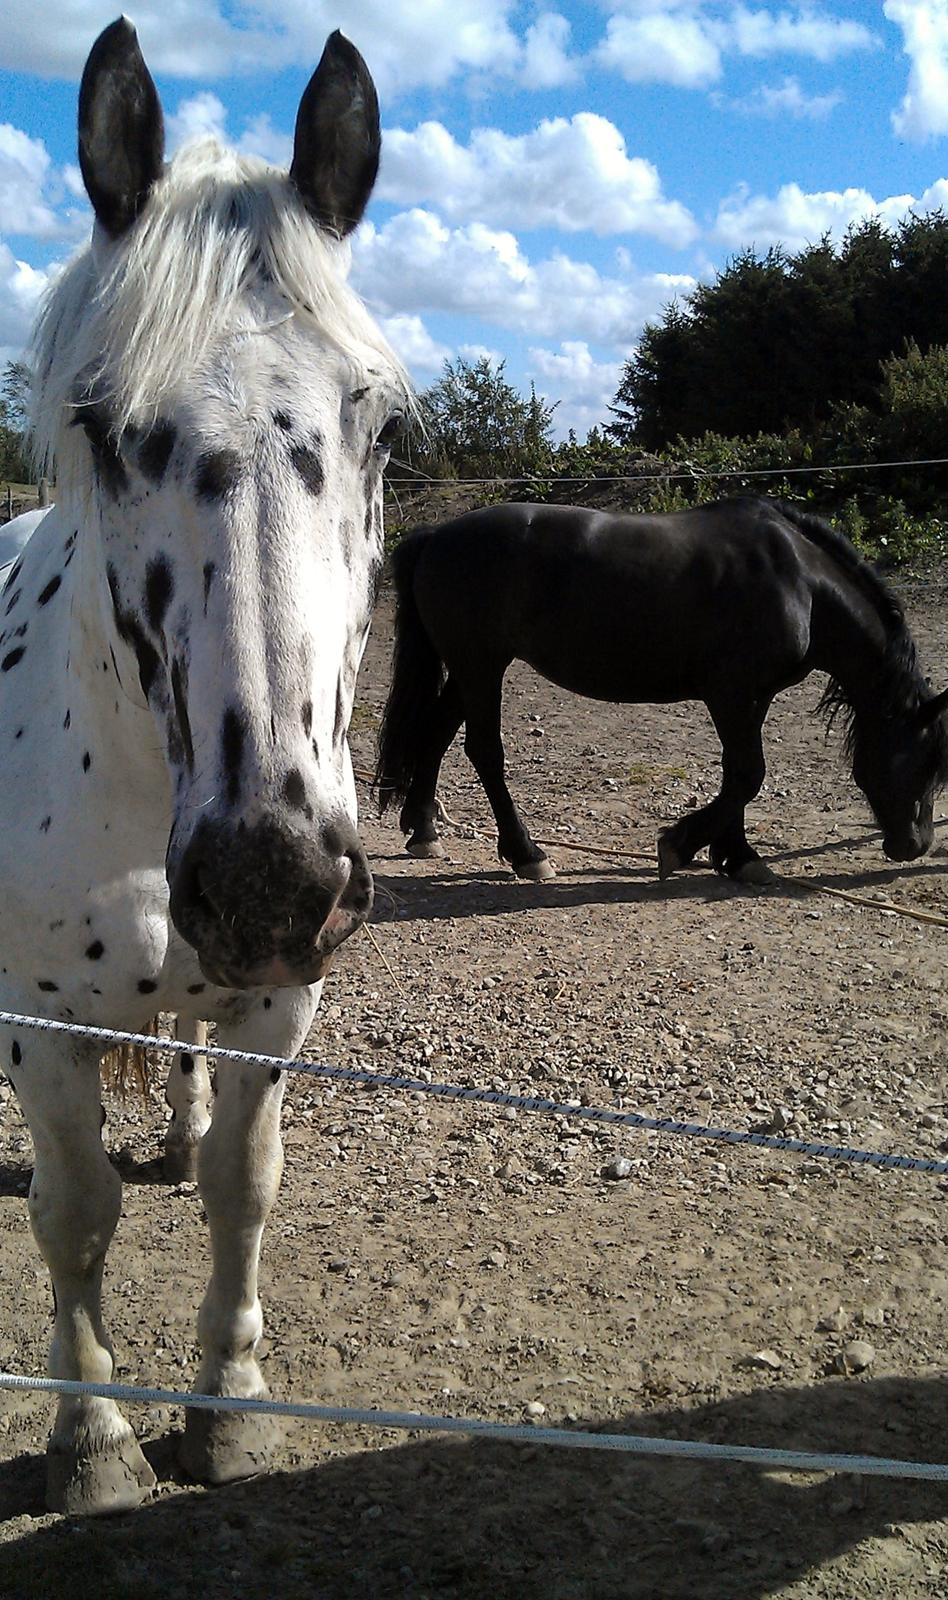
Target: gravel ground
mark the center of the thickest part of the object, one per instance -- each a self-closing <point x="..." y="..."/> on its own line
<point x="433" y="1257"/>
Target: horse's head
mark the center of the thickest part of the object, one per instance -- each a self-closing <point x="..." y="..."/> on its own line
<point x="900" y="762"/>
<point x="232" y="407"/>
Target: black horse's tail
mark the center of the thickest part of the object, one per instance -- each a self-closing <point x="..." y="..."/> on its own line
<point x="417" y="677"/>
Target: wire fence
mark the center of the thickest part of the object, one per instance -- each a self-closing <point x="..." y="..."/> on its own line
<point x="600" y="1115"/>
<point x="501" y="1432"/>
<point x="685" y="474"/>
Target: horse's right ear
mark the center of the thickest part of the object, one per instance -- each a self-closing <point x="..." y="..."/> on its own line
<point x="337" y="144"/>
<point x="930" y="709"/>
<point x="121" y="130"/>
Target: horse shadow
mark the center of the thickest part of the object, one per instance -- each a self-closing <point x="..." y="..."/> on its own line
<point x="483" y="1520"/>
<point x="465" y="892"/>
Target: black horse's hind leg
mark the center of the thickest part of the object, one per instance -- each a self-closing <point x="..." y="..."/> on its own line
<point x="421" y="811"/>
<point x="484" y="748"/>
<point x="720" y="825"/>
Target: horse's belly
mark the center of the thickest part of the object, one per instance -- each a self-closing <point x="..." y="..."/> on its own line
<point x="619" y="682"/>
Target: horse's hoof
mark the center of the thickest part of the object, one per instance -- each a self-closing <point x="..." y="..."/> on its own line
<point x="226" y="1446"/>
<point x="536" y="871"/>
<point x="180" y="1164"/>
<point x="755" y="872"/>
<point x="425" y="849"/>
<point x="116" y="1477"/>
<point x="668" y="859"/>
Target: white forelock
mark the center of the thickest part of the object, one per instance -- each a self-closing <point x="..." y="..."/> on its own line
<point x="128" y="320"/>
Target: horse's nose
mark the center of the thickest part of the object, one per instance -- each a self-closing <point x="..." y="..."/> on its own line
<point x="265" y="906"/>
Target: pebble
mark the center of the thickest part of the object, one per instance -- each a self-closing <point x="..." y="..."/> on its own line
<point x="833" y="1321"/>
<point x="766" y="1358"/>
<point x="535" y="1409"/>
<point x="621" y="1167"/>
<point x="857" y="1357"/>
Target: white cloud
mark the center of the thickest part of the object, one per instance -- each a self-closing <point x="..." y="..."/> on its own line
<point x="570" y="174"/>
<point x="923" y="113"/>
<point x="20" y="288"/>
<point x="425" y="42"/>
<point x="415" y="263"/>
<point x="410" y="339"/>
<point x="24" y="169"/>
<point x="795" y="219"/>
<point x="200" y="115"/>
<point x="205" y="114"/>
<point x="804" y="31"/>
<point x="661" y="47"/>
<point x="31" y="190"/>
<point x="683" y="42"/>
<point x="582" y="387"/>
<point x="546" y="60"/>
<point x="189" y="39"/>
<point x="786" y="99"/>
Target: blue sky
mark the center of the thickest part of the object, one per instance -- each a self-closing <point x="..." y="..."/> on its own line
<point x="552" y="174"/>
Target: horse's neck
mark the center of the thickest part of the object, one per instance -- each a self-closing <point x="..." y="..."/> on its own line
<point x="850" y="641"/>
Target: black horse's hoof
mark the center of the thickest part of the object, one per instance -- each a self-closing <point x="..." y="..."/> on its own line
<point x="425" y="849"/>
<point x="755" y="871"/>
<point x="535" y="871"/>
<point x="669" y="859"/>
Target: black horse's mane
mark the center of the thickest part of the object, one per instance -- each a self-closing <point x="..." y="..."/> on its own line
<point x="902" y="687"/>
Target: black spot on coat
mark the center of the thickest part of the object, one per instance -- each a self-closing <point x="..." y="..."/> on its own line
<point x="47" y="594"/>
<point x="232" y="751"/>
<point x="155" y="450"/>
<point x="11" y="659"/>
<point x="159" y="588"/>
<point x="307" y="459"/>
<point x="217" y="473"/>
<point x="99" y="430"/>
<point x="179" y="690"/>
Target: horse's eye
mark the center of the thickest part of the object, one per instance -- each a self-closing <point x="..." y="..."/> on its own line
<point x="390" y="433"/>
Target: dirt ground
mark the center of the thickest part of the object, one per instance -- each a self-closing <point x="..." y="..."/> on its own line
<point x="441" y="1258"/>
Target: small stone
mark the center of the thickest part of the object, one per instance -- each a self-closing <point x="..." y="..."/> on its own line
<point x="833" y="1321"/>
<point x="621" y="1167"/>
<point x="535" y="1409"/>
<point x="768" y="1359"/>
<point x="857" y="1357"/>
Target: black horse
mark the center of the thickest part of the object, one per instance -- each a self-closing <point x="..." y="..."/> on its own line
<point x="727" y="603"/>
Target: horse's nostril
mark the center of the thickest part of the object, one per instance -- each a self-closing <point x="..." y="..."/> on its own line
<point x="333" y="842"/>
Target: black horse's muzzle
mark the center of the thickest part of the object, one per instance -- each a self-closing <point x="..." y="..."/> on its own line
<point x="265" y="907"/>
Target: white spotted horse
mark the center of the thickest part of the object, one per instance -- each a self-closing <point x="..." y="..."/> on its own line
<point x="177" y="669"/>
<point x="188" y="1089"/>
<point x="727" y="603"/>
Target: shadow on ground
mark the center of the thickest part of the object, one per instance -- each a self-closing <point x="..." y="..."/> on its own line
<point x="483" y="1521"/>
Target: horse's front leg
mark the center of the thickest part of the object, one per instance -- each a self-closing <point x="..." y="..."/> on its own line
<point x="720" y="825"/>
<point x="421" y="812"/>
<point x="484" y="748"/>
<point x="239" y="1168"/>
<point x="93" y="1460"/>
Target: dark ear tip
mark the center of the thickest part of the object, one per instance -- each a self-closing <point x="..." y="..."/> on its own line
<point x="121" y="33"/>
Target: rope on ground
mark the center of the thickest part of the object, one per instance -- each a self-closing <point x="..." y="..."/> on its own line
<point x="491" y="1097"/>
<point x="501" y="1432"/>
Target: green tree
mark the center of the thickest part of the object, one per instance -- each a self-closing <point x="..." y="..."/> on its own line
<point x="477" y="425"/>
<point x="14" y="395"/>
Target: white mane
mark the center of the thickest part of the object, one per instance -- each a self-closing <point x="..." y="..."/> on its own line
<point x="126" y="321"/>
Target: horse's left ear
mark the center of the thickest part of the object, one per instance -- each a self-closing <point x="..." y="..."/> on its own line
<point x="121" y="130"/>
<point x="337" y="145"/>
<point x="930" y="709"/>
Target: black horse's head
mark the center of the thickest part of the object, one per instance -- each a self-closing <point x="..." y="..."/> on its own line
<point x="900" y="761"/>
